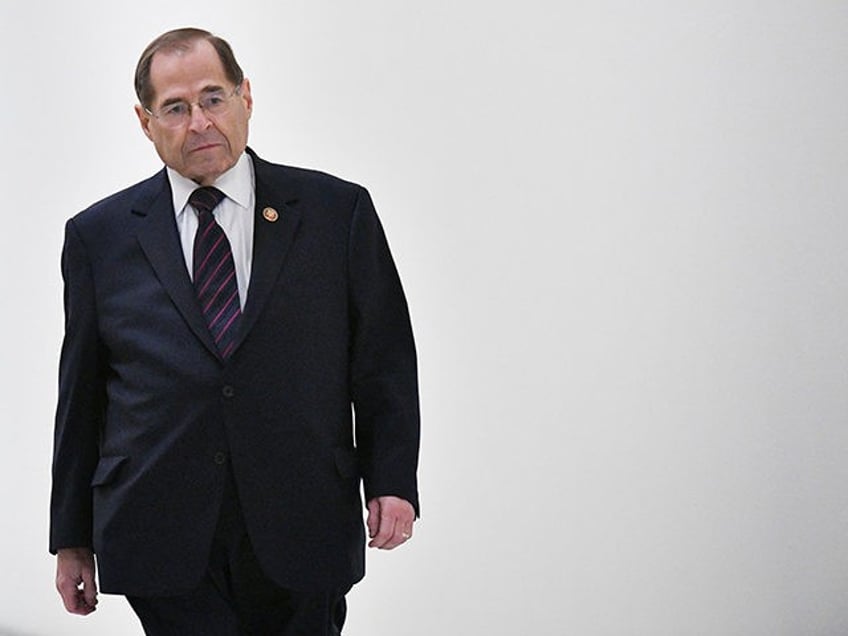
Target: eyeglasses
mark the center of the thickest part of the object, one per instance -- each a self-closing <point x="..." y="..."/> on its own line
<point x="176" y="114"/>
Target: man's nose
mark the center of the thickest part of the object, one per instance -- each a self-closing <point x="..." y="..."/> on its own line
<point x="199" y="119"/>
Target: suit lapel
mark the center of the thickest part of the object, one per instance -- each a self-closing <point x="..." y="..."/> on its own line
<point x="157" y="234"/>
<point x="272" y="239"/>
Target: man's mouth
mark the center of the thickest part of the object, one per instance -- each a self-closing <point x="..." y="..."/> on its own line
<point x="205" y="145"/>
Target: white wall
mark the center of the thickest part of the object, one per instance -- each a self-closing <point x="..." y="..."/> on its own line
<point x="622" y="230"/>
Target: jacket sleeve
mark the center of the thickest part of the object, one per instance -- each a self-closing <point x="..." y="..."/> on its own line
<point x="81" y="405"/>
<point x="384" y="382"/>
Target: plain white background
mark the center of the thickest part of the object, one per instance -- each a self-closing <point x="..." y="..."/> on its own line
<point x="621" y="227"/>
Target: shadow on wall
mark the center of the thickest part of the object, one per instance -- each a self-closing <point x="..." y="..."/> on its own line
<point x="5" y="631"/>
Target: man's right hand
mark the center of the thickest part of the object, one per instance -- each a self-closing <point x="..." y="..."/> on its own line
<point x="75" y="580"/>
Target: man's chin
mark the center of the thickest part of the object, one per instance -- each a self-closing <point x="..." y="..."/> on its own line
<point x="206" y="172"/>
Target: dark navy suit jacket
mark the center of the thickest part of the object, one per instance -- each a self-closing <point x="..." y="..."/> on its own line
<point x="149" y="416"/>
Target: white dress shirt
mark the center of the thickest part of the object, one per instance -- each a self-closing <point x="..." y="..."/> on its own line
<point x="234" y="214"/>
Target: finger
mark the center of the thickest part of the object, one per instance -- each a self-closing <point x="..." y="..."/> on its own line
<point x="401" y="525"/>
<point x="402" y="534"/>
<point x="405" y="520"/>
<point x="373" y="521"/>
<point x="68" y="591"/>
<point x="386" y="530"/>
<point x="89" y="588"/>
<point x="72" y="598"/>
<point x="83" y="608"/>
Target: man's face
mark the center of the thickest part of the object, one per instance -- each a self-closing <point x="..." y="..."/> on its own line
<point x="204" y="147"/>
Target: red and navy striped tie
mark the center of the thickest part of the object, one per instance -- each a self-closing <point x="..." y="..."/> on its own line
<point x="215" y="271"/>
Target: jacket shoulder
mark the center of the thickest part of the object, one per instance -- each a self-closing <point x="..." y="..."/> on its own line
<point x="305" y="181"/>
<point x="127" y="199"/>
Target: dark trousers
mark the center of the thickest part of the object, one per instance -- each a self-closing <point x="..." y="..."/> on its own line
<point x="235" y="598"/>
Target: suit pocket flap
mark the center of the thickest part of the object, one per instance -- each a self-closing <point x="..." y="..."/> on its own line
<point x="107" y="469"/>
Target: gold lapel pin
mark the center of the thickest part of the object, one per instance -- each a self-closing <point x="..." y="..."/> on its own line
<point x="270" y="215"/>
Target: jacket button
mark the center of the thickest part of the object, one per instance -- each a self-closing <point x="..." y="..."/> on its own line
<point x="220" y="458"/>
<point x="228" y="391"/>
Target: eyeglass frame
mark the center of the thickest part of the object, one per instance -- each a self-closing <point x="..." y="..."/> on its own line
<point x="191" y="105"/>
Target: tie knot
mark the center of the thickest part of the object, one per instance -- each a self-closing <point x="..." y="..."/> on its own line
<point x="205" y="199"/>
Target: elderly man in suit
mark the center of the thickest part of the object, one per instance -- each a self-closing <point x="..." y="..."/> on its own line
<point x="224" y="321"/>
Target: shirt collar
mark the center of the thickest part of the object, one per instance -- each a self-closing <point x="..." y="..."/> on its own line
<point x="236" y="183"/>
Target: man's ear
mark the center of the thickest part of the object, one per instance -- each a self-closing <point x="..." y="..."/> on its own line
<point x="246" y="96"/>
<point x="144" y="120"/>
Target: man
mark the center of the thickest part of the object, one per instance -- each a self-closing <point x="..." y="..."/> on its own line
<point x="215" y="341"/>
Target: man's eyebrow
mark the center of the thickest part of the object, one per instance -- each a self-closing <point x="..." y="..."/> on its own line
<point x="172" y="100"/>
<point x="212" y="88"/>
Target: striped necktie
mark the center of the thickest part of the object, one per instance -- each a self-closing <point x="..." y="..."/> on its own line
<point x="215" y="271"/>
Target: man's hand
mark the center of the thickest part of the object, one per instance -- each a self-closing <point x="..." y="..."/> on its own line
<point x="75" y="580"/>
<point x="390" y="522"/>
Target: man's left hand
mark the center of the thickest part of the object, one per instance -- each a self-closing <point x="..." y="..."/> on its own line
<point x="390" y="522"/>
